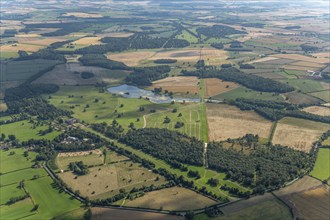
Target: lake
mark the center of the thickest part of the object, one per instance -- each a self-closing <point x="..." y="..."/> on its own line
<point x="128" y="91"/>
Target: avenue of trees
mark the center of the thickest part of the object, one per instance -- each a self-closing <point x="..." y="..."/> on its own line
<point x="248" y="80"/>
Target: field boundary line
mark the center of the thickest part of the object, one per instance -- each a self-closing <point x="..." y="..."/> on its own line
<point x="272" y="131"/>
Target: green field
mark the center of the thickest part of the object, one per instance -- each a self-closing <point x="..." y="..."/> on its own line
<point x="270" y="210"/>
<point x="324" y="95"/>
<point x="243" y="92"/>
<point x="18" y="210"/>
<point x="23" y="130"/>
<point x="304" y="85"/>
<point x="321" y="168"/>
<point x="19" y="175"/>
<point x="15" y="162"/>
<point x="7" y="54"/>
<point x="47" y="197"/>
<point x="185" y="35"/>
<point x="22" y="70"/>
<point x="10" y="191"/>
<point x="89" y="159"/>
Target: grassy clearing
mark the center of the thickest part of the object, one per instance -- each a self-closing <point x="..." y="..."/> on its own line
<point x="23" y="130"/>
<point x="22" y="70"/>
<point x="175" y="198"/>
<point x="7" y="55"/>
<point x="304" y="85"/>
<point x="243" y="92"/>
<point x="321" y="168"/>
<point x="273" y="209"/>
<point x="185" y="35"/>
<point x="19" y="175"/>
<point x="17" y="161"/>
<point x="324" y="95"/>
<point x="48" y="198"/>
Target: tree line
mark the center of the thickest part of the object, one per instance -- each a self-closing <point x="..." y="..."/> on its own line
<point x="248" y="80"/>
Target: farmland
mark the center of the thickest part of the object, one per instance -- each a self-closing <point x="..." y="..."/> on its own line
<point x="321" y="168"/>
<point x="174" y="198"/>
<point x="299" y="134"/>
<point x="215" y="86"/>
<point x="226" y="121"/>
<point x="318" y="110"/>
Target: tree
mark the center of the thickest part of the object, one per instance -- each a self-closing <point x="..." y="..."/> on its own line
<point x="12" y="137"/>
<point x="167" y="120"/>
<point x="26" y="154"/>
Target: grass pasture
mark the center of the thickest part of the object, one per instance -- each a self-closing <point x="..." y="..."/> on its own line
<point x="105" y="181"/>
<point x="10" y="191"/>
<point x="17" y="210"/>
<point x="23" y="130"/>
<point x="302" y="98"/>
<point x="19" y="175"/>
<point x="297" y="133"/>
<point x="226" y="121"/>
<point x="324" y="95"/>
<point x="174" y="198"/>
<point x="10" y="163"/>
<point x="321" y="168"/>
<point x="185" y="35"/>
<point x="22" y="70"/>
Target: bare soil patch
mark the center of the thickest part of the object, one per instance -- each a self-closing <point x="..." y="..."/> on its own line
<point x="225" y="121"/>
<point x="178" y="84"/>
<point x="297" y="133"/>
<point x="175" y="198"/>
<point x="318" y="110"/>
<point x="215" y="86"/>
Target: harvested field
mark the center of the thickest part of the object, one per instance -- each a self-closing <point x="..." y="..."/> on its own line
<point x="318" y="110"/>
<point x="215" y="86"/>
<point x="37" y="41"/>
<point x="322" y="55"/>
<point x="264" y="59"/>
<point x="88" y="41"/>
<point x="116" y="34"/>
<point x="302" y="68"/>
<point x="18" y="47"/>
<point x="307" y="64"/>
<point x="298" y="134"/>
<point x="175" y="198"/>
<point x="214" y="56"/>
<point x="105" y="181"/>
<point x="226" y="121"/>
<point x="122" y="214"/>
<point x="80" y="153"/>
<point x="178" y="84"/>
<point x="131" y="58"/>
<point x="93" y="157"/>
<point x="83" y="15"/>
<point x="301" y="58"/>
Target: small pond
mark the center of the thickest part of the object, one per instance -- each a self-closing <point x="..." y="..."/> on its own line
<point x="128" y="91"/>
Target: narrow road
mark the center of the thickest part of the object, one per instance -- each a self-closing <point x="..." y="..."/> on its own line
<point x="205" y="156"/>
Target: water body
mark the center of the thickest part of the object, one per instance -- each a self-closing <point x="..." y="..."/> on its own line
<point x="135" y="92"/>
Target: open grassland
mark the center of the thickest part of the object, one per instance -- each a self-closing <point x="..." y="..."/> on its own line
<point x="18" y="47"/>
<point x="243" y="92"/>
<point x="300" y="134"/>
<point x="175" y="198"/>
<point x="321" y="168"/>
<point x="107" y="108"/>
<point x="22" y="70"/>
<point x="302" y="98"/>
<point x="10" y="191"/>
<point x="318" y="110"/>
<point x="106" y="181"/>
<point x="17" y="210"/>
<point x="179" y="84"/>
<point x="17" y="161"/>
<point x="76" y="214"/>
<point x="226" y="121"/>
<point x="120" y="214"/>
<point x="19" y="175"/>
<point x="300" y="57"/>
<point x="324" y="95"/>
<point x="23" y="130"/>
<point x="215" y="86"/>
<point x="6" y="55"/>
<point x="191" y="116"/>
<point x="70" y="74"/>
<point x="304" y="85"/>
<point x="185" y="35"/>
<point x="47" y="197"/>
<point x="90" y="158"/>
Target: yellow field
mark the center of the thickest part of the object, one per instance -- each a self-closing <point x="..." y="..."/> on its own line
<point x="307" y="64"/>
<point x="215" y="86"/>
<point x="301" y="58"/>
<point x="37" y="41"/>
<point x="131" y="58"/>
<point x="88" y="41"/>
<point x="302" y="68"/>
<point x="175" y="198"/>
<point x="297" y="133"/>
<point x="180" y="84"/>
<point x="83" y="15"/>
<point x="18" y="47"/>
<point x="318" y="110"/>
<point x="264" y="59"/>
<point x="116" y="34"/>
<point x="322" y="55"/>
<point x="225" y="121"/>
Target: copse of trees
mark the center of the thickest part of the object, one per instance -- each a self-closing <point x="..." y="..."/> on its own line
<point x="29" y="91"/>
<point x="263" y="168"/>
<point x="101" y="60"/>
<point x="166" y="145"/>
<point x="114" y="130"/>
<point x="217" y="45"/>
<point x="250" y="81"/>
<point x="47" y="54"/>
<point x="79" y="168"/>
<point x="218" y="31"/>
<point x="165" y="61"/>
<point x="146" y="75"/>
